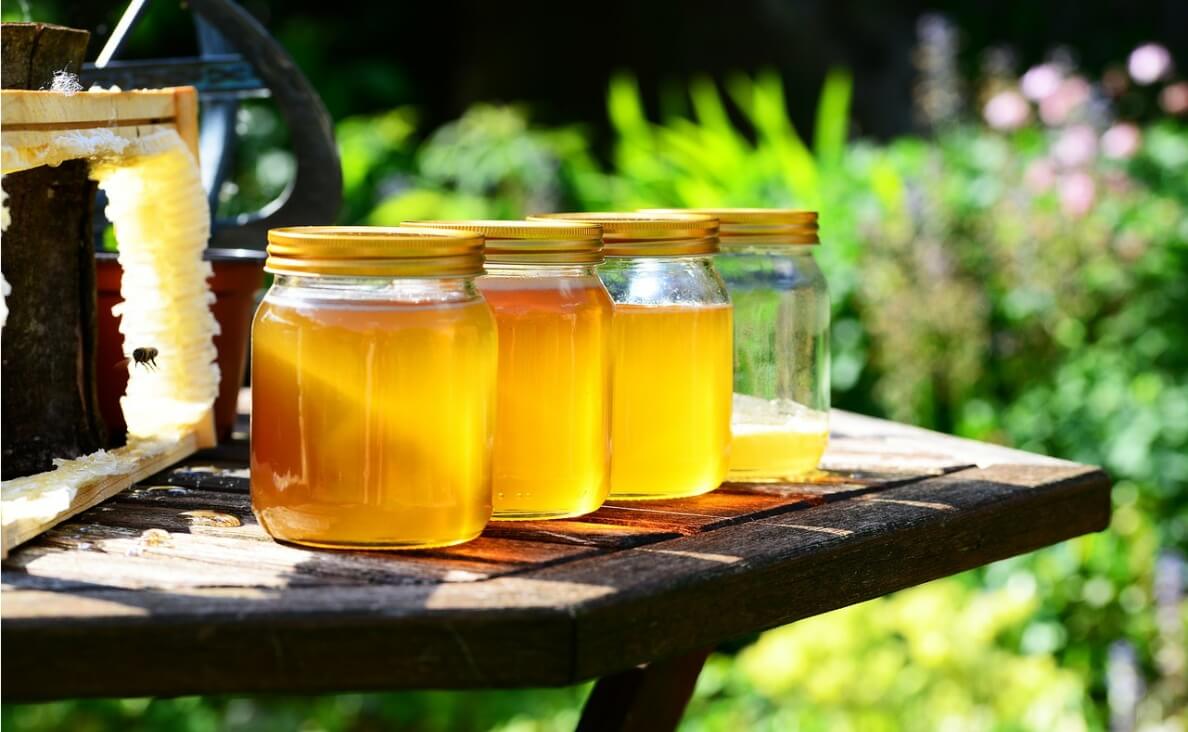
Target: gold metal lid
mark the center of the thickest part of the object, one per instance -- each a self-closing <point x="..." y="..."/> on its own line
<point x="532" y="242"/>
<point x="374" y="251"/>
<point x="630" y="234"/>
<point x="758" y="225"/>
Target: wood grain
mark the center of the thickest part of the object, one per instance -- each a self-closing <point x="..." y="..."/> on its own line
<point x="208" y="606"/>
<point x="677" y="596"/>
<point x="881" y="442"/>
<point x="36" y="124"/>
<point x="19" y="528"/>
<point x="48" y="259"/>
<point x="32" y="52"/>
<point x="171" y="539"/>
<point x="37" y="110"/>
<point x="185" y="119"/>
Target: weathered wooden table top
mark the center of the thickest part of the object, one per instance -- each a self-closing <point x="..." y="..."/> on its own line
<point x="173" y="588"/>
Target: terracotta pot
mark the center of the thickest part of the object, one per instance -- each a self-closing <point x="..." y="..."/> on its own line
<point x="238" y="276"/>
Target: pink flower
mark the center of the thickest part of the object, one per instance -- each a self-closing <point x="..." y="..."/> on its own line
<point x="1077" y="193"/>
<point x="1040" y="175"/>
<point x="1040" y="81"/>
<point x="1121" y="141"/>
<point x="1007" y="110"/>
<point x="1076" y="146"/>
<point x="1174" y="98"/>
<point x="1149" y="63"/>
<point x="1058" y="107"/>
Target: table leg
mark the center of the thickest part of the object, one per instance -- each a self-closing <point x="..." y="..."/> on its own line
<point x="648" y="698"/>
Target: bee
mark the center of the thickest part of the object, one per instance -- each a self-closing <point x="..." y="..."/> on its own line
<point x="146" y="357"/>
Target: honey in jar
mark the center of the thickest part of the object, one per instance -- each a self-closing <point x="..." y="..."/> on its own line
<point x="373" y="389"/>
<point x="671" y="354"/>
<point x="671" y="420"/>
<point x="781" y="341"/>
<point x="552" y="426"/>
<point x="773" y="440"/>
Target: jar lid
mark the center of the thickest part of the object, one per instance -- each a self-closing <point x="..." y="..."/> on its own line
<point x="374" y="251"/>
<point x="758" y="225"/>
<point x="648" y="234"/>
<point x="532" y="242"/>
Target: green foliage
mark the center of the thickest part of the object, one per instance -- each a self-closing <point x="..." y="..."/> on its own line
<point x="833" y="118"/>
<point x="755" y="356"/>
<point x="488" y="164"/>
<point x="376" y="150"/>
<point x="972" y="299"/>
<point x="263" y="164"/>
<point x="970" y="295"/>
<point x="927" y="658"/>
<point x="707" y="160"/>
<point x="529" y="710"/>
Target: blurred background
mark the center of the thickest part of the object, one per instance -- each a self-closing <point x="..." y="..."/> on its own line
<point x="1003" y="191"/>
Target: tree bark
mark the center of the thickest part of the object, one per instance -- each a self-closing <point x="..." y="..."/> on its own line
<point x="32" y="52"/>
<point x="48" y="386"/>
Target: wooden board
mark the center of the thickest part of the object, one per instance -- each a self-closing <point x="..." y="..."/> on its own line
<point x="19" y="529"/>
<point x="38" y="119"/>
<point x="168" y="601"/>
<point x="41" y="110"/>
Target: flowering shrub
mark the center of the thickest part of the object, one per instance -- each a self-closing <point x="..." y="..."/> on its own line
<point x="1019" y="281"/>
<point x="1020" y="284"/>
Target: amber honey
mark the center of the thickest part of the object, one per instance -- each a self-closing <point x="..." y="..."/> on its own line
<point x="773" y="453"/>
<point x="671" y="403"/>
<point x="552" y="433"/>
<point x="775" y="440"/>
<point x="671" y="354"/>
<point x="372" y="420"/>
<point x="781" y="341"/>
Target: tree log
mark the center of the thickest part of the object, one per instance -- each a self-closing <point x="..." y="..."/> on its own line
<point x="49" y="399"/>
<point x="32" y="52"/>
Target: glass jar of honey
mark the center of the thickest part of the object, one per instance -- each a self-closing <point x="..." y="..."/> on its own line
<point x="670" y="353"/>
<point x="781" y="342"/>
<point x="552" y="419"/>
<point x="373" y="389"/>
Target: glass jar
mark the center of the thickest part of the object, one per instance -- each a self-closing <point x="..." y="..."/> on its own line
<point x="552" y="420"/>
<point x="671" y="354"/>
<point x="781" y="342"/>
<point x="373" y="389"/>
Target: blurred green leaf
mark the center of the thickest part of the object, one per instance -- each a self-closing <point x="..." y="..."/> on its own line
<point x="833" y="117"/>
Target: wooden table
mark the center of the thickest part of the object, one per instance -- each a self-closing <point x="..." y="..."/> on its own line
<point x="172" y="588"/>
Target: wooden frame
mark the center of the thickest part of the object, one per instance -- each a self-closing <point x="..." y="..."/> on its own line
<point x="31" y="118"/>
<point x="37" y="127"/>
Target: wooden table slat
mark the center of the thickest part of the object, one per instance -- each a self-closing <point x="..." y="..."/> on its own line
<point x="772" y="571"/>
<point x="167" y="601"/>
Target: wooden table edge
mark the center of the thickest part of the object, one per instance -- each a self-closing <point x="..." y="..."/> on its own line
<point x="582" y="625"/>
<point x="1070" y="500"/>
